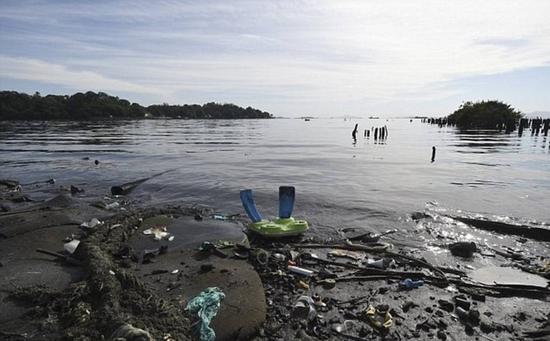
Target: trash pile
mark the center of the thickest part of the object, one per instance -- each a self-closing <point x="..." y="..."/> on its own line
<point x="362" y="291"/>
<point x="358" y="286"/>
<point x="361" y="287"/>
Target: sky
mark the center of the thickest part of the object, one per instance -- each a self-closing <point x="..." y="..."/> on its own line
<point x="291" y="58"/>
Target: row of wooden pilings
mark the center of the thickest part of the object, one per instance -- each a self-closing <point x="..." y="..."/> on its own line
<point x="536" y="125"/>
<point x="379" y="133"/>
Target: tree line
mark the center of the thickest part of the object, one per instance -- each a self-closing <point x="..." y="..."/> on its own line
<point x="91" y="105"/>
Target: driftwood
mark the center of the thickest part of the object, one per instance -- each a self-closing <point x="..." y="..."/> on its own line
<point x="537" y="233"/>
<point x="126" y="188"/>
<point x="68" y="259"/>
<point x="379" y="249"/>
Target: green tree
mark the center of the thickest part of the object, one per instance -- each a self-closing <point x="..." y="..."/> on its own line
<point x="484" y="115"/>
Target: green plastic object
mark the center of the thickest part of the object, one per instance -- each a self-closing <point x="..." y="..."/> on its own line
<point x="281" y="227"/>
<point x="205" y="306"/>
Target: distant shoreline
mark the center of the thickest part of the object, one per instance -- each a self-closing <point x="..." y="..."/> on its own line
<point x="101" y="106"/>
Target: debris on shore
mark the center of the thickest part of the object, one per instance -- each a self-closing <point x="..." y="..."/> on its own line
<point x="116" y="280"/>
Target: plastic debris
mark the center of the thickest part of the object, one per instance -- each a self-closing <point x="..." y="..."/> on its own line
<point x="376" y="263"/>
<point x="300" y="271"/>
<point x="211" y="248"/>
<point x="114" y="226"/>
<point x="219" y="217"/>
<point x="129" y="332"/>
<point x="346" y="325"/>
<point x="347" y="254"/>
<point x="410" y="284"/>
<point x="92" y="223"/>
<point x="279" y="257"/>
<point x="303" y="309"/>
<point x="303" y="285"/>
<point x="159" y="232"/>
<point x="328" y="283"/>
<point x="205" y="306"/>
<point x="112" y="205"/>
<point x="71" y="246"/>
<point x="378" y="318"/>
<point x="461" y="313"/>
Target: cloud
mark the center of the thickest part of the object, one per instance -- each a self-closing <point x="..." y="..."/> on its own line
<point x="290" y="53"/>
<point x="39" y="71"/>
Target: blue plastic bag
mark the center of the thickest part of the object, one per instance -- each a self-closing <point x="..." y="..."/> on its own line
<point x="410" y="284"/>
<point x="205" y="306"/>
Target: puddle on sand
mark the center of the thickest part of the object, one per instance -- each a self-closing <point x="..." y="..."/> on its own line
<point x="508" y="276"/>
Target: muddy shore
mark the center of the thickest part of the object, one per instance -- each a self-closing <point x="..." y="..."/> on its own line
<point x="122" y="284"/>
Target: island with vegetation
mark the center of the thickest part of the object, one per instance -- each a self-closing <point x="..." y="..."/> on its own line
<point x="491" y="115"/>
<point x="92" y="106"/>
<point x="484" y="115"/>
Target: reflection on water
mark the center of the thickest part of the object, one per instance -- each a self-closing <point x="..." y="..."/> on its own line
<point x="339" y="182"/>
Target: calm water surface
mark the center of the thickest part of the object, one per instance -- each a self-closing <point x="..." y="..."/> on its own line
<point x="339" y="183"/>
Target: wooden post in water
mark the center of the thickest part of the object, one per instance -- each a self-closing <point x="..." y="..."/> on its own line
<point x="376" y="133"/>
<point x="354" y="132"/>
<point x="433" y="153"/>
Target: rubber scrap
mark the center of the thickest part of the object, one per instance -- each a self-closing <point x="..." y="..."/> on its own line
<point x="205" y="306"/>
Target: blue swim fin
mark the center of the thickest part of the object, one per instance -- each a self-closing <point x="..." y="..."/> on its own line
<point x="249" y="206"/>
<point x="286" y="201"/>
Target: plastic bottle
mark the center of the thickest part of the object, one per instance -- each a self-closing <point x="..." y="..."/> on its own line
<point x="300" y="271"/>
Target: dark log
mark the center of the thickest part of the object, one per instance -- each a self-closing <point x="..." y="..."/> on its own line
<point x="537" y="233"/>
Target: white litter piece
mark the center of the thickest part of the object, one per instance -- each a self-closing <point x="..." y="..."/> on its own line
<point x="175" y="271"/>
<point x="112" y="205"/>
<point x="112" y="272"/>
<point x="159" y="232"/>
<point x="300" y="271"/>
<point x="71" y="246"/>
<point x="170" y="238"/>
<point x="115" y="226"/>
<point x="92" y="223"/>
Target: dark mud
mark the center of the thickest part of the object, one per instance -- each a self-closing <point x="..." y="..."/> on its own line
<point x="431" y="311"/>
<point x="109" y="297"/>
<point x="120" y="295"/>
